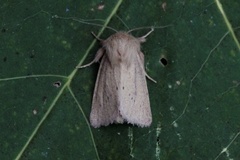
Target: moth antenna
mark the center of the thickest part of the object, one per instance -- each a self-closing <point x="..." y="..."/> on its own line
<point x="152" y="27"/>
<point x="96" y="36"/>
<point x="122" y="22"/>
<point x="88" y="22"/>
<point x="139" y="28"/>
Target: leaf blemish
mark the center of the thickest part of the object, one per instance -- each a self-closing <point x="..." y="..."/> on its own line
<point x="3" y="30"/>
<point x="44" y="99"/>
<point x="100" y="6"/>
<point x="57" y="84"/>
<point x="32" y="54"/>
<point x="4" y="59"/>
<point x="34" y="111"/>
<point x="163" y="61"/>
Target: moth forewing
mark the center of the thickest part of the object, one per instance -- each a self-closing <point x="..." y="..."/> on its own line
<point x="104" y="104"/>
<point x="134" y="98"/>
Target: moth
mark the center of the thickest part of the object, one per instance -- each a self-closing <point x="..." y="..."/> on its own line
<point x="121" y="93"/>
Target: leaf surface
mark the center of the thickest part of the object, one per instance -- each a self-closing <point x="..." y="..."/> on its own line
<point x="45" y="101"/>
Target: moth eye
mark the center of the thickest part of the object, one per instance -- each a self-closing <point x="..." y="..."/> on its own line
<point x="123" y="88"/>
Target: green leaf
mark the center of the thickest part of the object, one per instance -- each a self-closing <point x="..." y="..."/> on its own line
<point x="45" y="101"/>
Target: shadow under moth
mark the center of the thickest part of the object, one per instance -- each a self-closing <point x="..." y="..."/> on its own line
<point x="121" y="93"/>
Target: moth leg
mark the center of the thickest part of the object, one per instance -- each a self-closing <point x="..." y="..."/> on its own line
<point x="150" y="78"/>
<point x="96" y="59"/>
<point x="152" y="29"/>
<point x="143" y="38"/>
<point x="141" y="55"/>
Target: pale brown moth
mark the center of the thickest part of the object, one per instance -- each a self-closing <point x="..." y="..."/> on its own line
<point x="121" y="93"/>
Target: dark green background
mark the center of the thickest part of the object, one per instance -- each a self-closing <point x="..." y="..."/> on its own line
<point x="195" y="104"/>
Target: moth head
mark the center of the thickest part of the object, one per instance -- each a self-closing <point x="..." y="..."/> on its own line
<point x="121" y="47"/>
